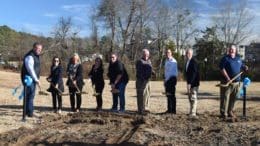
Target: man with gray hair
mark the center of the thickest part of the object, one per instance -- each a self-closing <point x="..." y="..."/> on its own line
<point x="193" y="81"/>
<point x="143" y="75"/>
<point x="230" y="66"/>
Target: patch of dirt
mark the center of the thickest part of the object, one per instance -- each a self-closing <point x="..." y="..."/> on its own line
<point x="106" y="128"/>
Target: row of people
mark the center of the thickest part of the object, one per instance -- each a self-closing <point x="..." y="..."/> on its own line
<point x="117" y="74"/>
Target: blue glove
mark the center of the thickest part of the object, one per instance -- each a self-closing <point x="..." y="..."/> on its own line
<point x="28" y="80"/>
<point x="246" y="82"/>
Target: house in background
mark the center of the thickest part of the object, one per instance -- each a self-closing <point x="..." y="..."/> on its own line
<point x="252" y="52"/>
<point x="241" y="50"/>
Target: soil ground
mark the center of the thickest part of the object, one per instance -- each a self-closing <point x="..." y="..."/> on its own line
<point x="89" y="127"/>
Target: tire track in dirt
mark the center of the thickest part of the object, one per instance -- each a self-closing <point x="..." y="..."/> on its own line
<point x="128" y="133"/>
<point x="106" y="128"/>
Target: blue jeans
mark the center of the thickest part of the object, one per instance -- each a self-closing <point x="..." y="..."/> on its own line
<point x="30" y="93"/>
<point x="121" y="94"/>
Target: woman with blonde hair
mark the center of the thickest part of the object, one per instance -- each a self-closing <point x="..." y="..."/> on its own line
<point x="75" y="81"/>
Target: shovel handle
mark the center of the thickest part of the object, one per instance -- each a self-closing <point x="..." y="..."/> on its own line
<point x="230" y="81"/>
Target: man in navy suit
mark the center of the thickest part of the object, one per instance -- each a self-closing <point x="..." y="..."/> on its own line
<point x="193" y="81"/>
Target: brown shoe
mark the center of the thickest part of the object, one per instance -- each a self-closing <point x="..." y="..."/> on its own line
<point x="233" y="117"/>
<point x="231" y="114"/>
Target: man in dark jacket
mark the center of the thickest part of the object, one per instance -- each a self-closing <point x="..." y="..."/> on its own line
<point x="193" y="81"/>
<point x="143" y="75"/>
<point x="118" y="80"/>
<point x="31" y="67"/>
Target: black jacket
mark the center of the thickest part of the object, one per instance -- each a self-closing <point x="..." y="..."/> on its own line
<point x="37" y="64"/>
<point x="192" y="73"/>
<point x="97" y="77"/>
<point x="117" y="68"/>
<point x="56" y="77"/>
<point x="76" y="76"/>
<point x="143" y="69"/>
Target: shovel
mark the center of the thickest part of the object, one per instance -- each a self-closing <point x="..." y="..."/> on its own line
<point x="78" y="91"/>
<point x="229" y="82"/>
<point x="42" y="92"/>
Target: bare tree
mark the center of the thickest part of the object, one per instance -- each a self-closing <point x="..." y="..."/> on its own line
<point x="107" y="11"/>
<point x="162" y="25"/>
<point x="65" y="37"/>
<point x="94" y="35"/>
<point x="145" y="12"/>
<point x="62" y="32"/>
<point x="173" y="21"/>
<point x="125" y="21"/>
<point x="233" y="21"/>
<point x="183" y="23"/>
<point x="133" y="22"/>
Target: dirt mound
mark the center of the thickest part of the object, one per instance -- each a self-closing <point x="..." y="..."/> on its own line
<point x="106" y="128"/>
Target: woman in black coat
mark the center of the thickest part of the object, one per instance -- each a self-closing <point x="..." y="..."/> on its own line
<point x="96" y="76"/>
<point x="75" y="81"/>
<point x="56" y="84"/>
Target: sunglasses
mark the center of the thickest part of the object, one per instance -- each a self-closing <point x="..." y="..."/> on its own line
<point x="56" y="61"/>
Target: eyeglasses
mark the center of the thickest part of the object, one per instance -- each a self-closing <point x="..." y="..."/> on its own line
<point x="56" y="61"/>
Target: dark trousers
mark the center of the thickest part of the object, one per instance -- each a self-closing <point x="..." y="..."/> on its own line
<point x="121" y="87"/>
<point x="73" y="91"/>
<point x="56" y="97"/>
<point x="170" y="93"/>
<point x="222" y="99"/>
<point x="99" y="100"/>
<point x="30" y="93"/>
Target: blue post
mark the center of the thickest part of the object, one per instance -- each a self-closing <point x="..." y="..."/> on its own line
<point x="246" y="83"/>
<point x="24" y="103"/>
<point x="244" y="102"/>
<point x="28" y="82"/>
